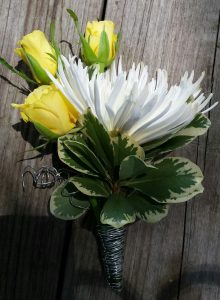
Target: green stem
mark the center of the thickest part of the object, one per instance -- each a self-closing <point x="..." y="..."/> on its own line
<point x="17" y="72"/>
<point x="96" y="208"/>
<point x="39" y="147"/>
<point x="101" y="68"/>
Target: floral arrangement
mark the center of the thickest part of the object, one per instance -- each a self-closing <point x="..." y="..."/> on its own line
<point x="113" y="130"/>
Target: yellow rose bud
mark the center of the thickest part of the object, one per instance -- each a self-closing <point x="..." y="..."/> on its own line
<point x="93" y="34"/>
<point x="38" y="54"/>
<point x="49" y="110"/>
<point x="100" y="43"/>
<point x="103" y="42"/>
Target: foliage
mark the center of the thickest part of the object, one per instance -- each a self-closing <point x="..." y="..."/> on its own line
<point x="115" y="178"/>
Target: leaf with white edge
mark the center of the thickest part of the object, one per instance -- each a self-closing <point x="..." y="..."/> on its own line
<point x="99" y="137"/>
<point x="155" y="144"/>
<point x="125" y="146"/>
<point x="86" y="156"/>
<point x="132" y="166"/>
<point x="91" y="186"/>
<point x="173" y="180"/>
<point x="71" y="135"/>
<point x="65" y="206"/>
<point x="117" y="211"/>
<point x="146" y="209"/>
<point x="69" y="158"/>
<point x="120" y="210"/>
<point x="197" y="127"/>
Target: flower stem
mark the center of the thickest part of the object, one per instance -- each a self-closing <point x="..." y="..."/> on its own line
<point x="111" y="243"/>
<point x="101" y="68"/>
<point x="96" y="208"/>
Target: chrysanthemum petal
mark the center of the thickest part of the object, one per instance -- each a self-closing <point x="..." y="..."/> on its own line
<point x="129" y="102"/>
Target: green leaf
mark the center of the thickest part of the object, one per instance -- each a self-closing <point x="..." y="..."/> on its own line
<point x="197" y="127"/>
<point x="154" y="144"/>
<point x="73" y="134"/>
<point x="117" y="211"/>
<point x="146" y="209"/>
<point x="68" y="158"/>
<point x="53" y="41"/>
<point x="52" y="32"/>
<point x="37" y="71"/>
<point x="117" y="44"/>
<point x="100" y="138"/>
<point x="17" y="72"/>
<point x="73" y="15"/>
<point x="173" y="180"/>
<point x="103" y="52"/>
<point x="91" y="186"/>
<point x="65" y="206"/>
<point x="123" y="147"/>
<point x="45" y="132"/>
<point x="120" y="210"/>
<point x="132" y="167"/>
<point x="88" y="53"/>
<point x="81" y="150"/>
<point x="52" y="56"/>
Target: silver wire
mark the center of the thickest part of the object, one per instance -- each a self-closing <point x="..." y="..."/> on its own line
<point x="45" y="177"/>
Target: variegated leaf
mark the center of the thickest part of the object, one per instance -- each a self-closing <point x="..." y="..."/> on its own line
<point x="132" y="167"/>
<point x="91" y="186"/>
<point x="123" y="147"/>
<point x="173" y="180"/>
<point x="99" y="138"/>
<point x="197" y="127"/>
<point x="120" y="210"/>
<point x="86" y="156"/>
<point x="146" y="209"/>
<point x="149" y="146"/>
<point x="65" y="206"/>
<point x="69" y="158"/>
<point x="117" y="211"/>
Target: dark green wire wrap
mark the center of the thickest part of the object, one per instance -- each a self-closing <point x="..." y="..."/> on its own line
<point x="112" y="243"/>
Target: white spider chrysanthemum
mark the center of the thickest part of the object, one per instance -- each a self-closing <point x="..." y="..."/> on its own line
<point x="128" y="102"/>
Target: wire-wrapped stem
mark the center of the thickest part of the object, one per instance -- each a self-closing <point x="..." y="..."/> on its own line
<point x="112" y="242"/>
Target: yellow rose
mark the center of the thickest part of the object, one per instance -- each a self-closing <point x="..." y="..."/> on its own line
<point x="49" y="110"/>
<point x="93" y="33"/>
<point x="38" y="54"/>
<point x="102" y="43"/>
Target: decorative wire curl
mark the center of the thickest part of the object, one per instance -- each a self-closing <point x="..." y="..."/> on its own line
<point x="45" y="177"/>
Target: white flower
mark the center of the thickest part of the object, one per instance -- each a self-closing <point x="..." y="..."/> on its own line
<point x="129" y="102"/>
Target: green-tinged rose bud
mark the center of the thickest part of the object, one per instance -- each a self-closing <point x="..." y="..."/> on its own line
<point x="100" y="43"/>
<point x="102" y="40"/>
<point x="38" y="54"/>
<point x="49" y="110"/>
